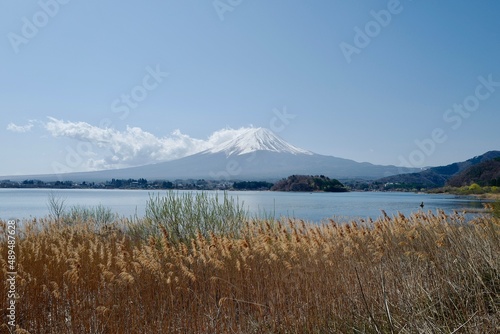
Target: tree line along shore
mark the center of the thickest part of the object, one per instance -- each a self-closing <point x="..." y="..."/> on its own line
<point x="291" y="183"/>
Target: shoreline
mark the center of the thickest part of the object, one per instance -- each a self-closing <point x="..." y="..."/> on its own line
<point x="490" y="196"/>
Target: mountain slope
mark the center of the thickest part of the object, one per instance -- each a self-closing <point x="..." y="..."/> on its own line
<point x="486" y="173"/>
<point x="259" y="165"/>
<point x="438" y="176"/>
<point x="255" y="154"/>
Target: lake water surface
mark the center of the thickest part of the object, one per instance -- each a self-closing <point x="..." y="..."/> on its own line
<point x="26" y="203"/>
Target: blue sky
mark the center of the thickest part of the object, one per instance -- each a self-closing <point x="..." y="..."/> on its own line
<point x="104" y="84"/>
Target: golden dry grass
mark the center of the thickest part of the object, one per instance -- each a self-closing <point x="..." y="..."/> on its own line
<point x="428" y="273"/>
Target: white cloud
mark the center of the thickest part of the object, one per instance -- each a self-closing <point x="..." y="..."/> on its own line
<point x="20" y="128"/>
<point x="134" y="146"/>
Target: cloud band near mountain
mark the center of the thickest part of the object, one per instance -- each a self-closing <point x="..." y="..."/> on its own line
<point x="133" y="146"/>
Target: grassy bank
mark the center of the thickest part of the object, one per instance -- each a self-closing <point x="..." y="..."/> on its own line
<point x="428" y="273"/>
<point x="474" y="190"/>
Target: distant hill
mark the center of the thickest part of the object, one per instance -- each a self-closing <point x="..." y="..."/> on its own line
<point x="486" y="173"/>
<point x="309" y="183"/>
<point x="435" y="177"/>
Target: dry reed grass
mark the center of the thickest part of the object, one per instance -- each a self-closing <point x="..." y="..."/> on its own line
<point x="428" y="273"/>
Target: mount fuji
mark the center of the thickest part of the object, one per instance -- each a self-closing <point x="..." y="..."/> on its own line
<point x="257" y="154"/>
<point x="256" y="139"/>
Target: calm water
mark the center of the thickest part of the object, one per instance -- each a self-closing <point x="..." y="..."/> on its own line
<point x="26" y="203"/>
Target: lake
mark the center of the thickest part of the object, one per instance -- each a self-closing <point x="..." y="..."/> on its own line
<point x="28" y="203"/>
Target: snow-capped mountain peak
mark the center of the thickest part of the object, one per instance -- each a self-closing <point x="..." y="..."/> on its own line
<point x="256" y="139"/>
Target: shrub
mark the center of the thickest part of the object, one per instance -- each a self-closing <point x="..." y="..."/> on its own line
<point x="56" y="206"/>
<point x="183" y="215"/>
<point x="475" y="189"/>
<point x="99" y="215"/>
